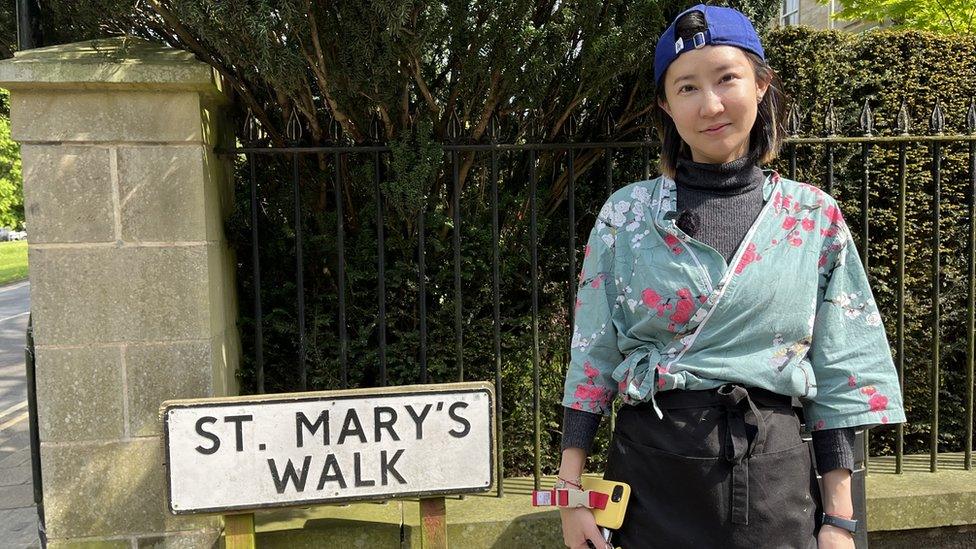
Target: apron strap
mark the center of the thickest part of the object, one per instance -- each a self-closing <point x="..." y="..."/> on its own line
<point x="739" y="450"/>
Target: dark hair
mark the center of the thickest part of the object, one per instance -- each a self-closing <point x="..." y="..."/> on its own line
<point x="766" y="137"/>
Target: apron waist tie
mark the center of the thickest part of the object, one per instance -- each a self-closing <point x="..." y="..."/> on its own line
<point x="739" y="450"/>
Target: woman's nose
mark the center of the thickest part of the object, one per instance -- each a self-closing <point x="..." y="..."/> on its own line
<point x="712" y="104"/>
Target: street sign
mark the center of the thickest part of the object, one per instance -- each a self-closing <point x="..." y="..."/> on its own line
<point x="245" y="453"/>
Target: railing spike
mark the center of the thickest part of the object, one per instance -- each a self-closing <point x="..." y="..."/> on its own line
<point x="903" y="124"/>
<point x="830" y="119"/>
<point x="454" y="125"/>
<point x="608" y="125"/>
<point x="571" y="125"/>
<point x="937" y="120"/>
<point x="793" y="121"/>
<point x="252" y="129"/>
<point x="494" y="127"/>
<point x="867" y="119"/>
<point x="293" y="131"/>
<point x="971" y="115"/>
<point x="375" y="128"/>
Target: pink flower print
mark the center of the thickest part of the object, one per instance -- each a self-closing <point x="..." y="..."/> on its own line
<point x="596" y="281"/>
<point x="673" y="243"/>
<point x="661" y="369"/>
<point x="820" y="424"/>
<point x="650" y="298"/>
<point x="668" y="306"/>
<point x="684" y="307"/>
<point x="748" y="257"/>
<point x="589" y="370"/>
<point x="622" y="385"/>
<point x="851" y="382"/>
<point x="702" y="298"/>
<point x="878" y="402"/>
<point x="581" y="276"/>
<point x="789" y="223"/>
<point x="586" y="251"/>
<point x="578" y="304"/>
<point x="577" y="405"/>
<point x="884" y="419"/>
<point x="796" y="241"/>
<point x="834" y="214"/>
<point x="660" y="310"/>
<point x="777" y="200"/>
<point x="823" y="260"/>
<point x="807" y="224"/>
<point x="661" y="382"/>
<point x="829" y="231"/>
<point x="796" y="207"/>
<point x="786" y="200"/>
<point x="869" y="390"/>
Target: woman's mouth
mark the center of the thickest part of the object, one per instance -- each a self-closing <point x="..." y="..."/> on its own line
<point x="715" y="129"/>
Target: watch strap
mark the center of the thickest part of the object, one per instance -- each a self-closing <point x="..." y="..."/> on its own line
<point x="847" y="524"/>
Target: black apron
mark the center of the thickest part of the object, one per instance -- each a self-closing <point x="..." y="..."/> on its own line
<point x="725" y="468"/>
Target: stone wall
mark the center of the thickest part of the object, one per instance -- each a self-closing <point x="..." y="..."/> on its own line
<point x="132" y="292"/>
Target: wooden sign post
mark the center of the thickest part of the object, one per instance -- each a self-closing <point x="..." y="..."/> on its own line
<point x="235" y="455"/>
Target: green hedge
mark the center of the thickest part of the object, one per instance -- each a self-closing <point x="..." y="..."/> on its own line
<point x="880" y="66"/>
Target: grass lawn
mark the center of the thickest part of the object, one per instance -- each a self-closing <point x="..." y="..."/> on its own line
<point x="13" y="261"/>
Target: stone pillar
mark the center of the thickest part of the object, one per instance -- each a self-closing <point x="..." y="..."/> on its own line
<point x="132" y="290"/>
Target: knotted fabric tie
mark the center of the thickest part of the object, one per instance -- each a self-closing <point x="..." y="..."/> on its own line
<point x="640" y="371"/>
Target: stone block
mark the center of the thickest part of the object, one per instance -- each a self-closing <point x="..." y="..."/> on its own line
<point x="110" y="489"/>
<point x="183" y="540"/>
<point x="68" y="193"/>
<point x="113" y="294"/>
<point x="103" y="115"/>
<point x="162" y="193"/>
<point x="89" y="544"/>
<point x="164" y="371"/>
<point x="79" y="393"/>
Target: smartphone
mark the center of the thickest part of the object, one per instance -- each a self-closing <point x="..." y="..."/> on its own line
<point x="613" y="515"/>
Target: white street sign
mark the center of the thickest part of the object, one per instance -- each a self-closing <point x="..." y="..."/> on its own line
<point x="328" y="447"/>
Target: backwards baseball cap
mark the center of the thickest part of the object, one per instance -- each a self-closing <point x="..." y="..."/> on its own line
<point x="724" y="27"/>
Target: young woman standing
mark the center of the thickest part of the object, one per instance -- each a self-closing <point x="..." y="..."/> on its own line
<point x="710" y="298"/>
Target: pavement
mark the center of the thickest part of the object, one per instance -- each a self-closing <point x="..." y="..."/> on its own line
<point x="18" y="515"/>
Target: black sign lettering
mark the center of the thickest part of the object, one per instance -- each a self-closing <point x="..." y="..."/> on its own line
<point x="357" y="469"/>
<point x="380" y="423"/>
<point x="238" y="429"/>
<point x="351" y="426"/>
<point x="418" y="419"/>
<point x="331" y="464"/>
<point x="387" y="467"/>
<point x="207" y="434"/>
<point x="296" y="477"/>
<point x="466" y="425"/>
<point x="302" y="423"/>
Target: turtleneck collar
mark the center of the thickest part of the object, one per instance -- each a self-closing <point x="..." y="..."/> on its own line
<point x="736" y="177"/>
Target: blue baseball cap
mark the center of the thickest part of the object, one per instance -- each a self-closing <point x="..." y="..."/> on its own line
<point x="725" y="27"/>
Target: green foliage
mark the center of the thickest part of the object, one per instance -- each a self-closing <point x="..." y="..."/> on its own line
<point x="941" y="16"/>
<point x="11" y="182"/>
<point x="13" y="261"/>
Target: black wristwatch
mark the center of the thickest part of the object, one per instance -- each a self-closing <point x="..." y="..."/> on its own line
<point x="846" y="524"/>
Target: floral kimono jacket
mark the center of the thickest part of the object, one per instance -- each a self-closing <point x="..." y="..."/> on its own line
<point x="793" y="313"/>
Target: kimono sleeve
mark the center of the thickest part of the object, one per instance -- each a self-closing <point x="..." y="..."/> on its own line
<point x="594" y="353"/>
<point x="857" y="384"/>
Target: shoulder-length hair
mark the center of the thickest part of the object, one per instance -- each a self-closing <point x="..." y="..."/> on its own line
<point x="766" y="137"/>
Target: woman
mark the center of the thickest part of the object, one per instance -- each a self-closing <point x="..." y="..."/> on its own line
<point x="710" y="298"/>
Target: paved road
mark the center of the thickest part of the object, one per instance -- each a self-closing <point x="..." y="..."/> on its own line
<point x="18" y="517"/>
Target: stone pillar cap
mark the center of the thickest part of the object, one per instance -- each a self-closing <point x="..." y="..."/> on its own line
<point x="118" y="63"/>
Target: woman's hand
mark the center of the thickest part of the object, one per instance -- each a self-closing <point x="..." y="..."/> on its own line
<point x="831" y="537"/>
<point x="579" y="526"/>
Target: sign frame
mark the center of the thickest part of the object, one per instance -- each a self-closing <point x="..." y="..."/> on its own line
<point x="318" y="396"/>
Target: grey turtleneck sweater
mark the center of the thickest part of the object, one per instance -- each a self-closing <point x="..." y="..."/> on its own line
<point x="717" y="203"/>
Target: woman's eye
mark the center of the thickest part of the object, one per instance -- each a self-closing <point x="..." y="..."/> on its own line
<point x="728" y="77"/>
<point x="686" y="87"/>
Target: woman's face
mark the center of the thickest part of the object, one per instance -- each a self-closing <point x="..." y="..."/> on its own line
<point x="712" y="95"/>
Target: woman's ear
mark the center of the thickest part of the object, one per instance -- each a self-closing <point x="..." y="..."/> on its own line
<point x="664" y="106"/>
<point x="762" y="86"/>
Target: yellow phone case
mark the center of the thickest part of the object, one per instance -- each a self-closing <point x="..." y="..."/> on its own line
<point x="613" y="516"/>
